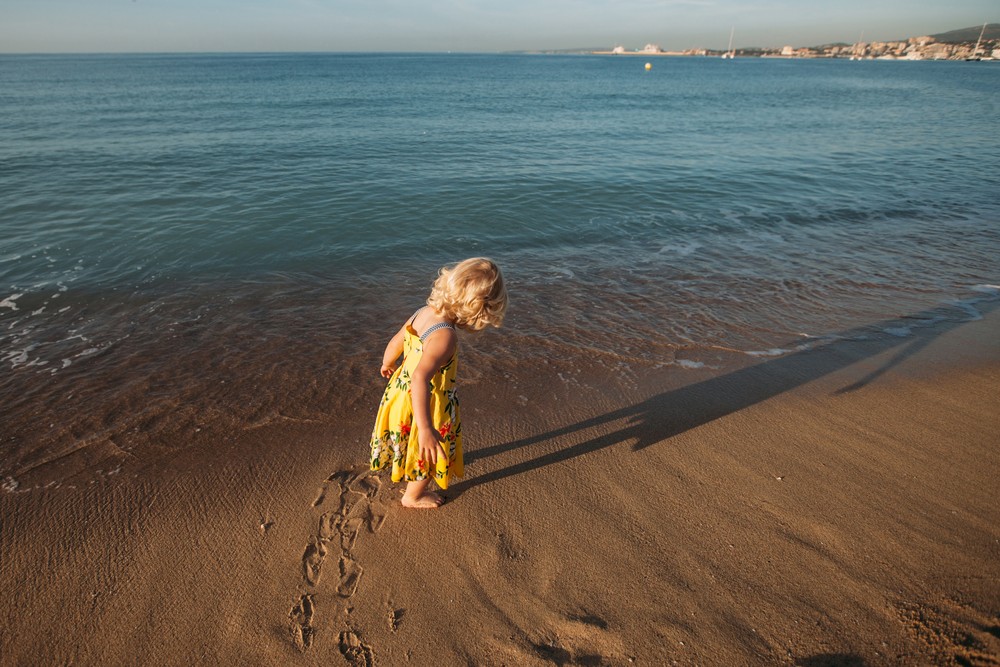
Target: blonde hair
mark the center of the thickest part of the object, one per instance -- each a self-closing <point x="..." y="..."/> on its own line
<point x="470" y="293"/>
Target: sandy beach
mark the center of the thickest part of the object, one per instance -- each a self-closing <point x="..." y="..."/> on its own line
<point x="831" y="507"/>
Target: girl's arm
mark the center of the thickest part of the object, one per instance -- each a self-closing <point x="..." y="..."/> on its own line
<point x="391" y="355"/>
<point x="438" y="349"/>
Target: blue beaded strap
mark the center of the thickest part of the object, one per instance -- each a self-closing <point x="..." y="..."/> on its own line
<point x="434" y="327"/>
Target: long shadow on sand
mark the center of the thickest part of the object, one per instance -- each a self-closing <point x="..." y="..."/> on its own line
<point x="671" y="413"/>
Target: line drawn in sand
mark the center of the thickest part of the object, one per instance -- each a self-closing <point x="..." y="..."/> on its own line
<point x="357" y="506"/>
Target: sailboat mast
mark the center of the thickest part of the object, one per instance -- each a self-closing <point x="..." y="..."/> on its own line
<point x="981" y="32"/>
<point x="729" y="54"/>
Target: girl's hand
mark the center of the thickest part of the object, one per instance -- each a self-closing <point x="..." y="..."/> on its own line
<point x="387" y="370"/>
<point x="430" y="446"/>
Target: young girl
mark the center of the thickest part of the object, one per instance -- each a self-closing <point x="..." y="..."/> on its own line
<point x="418" y="426"/>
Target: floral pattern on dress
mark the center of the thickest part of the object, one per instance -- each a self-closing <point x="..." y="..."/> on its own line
<point x="394" y="437"/>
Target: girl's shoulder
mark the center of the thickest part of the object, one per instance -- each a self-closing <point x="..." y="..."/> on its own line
<point x="427" y="321"/>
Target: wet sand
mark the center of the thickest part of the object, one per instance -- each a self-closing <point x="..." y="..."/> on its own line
<point x="832" y="507"/>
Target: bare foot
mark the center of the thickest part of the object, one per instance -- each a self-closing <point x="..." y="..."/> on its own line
<point x="417" y="496"/>
<point x="427" y="500"/>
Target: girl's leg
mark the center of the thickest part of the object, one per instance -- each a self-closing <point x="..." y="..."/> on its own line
<point x="417" y="496"/>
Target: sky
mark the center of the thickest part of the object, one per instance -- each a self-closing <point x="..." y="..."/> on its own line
<point x="108" y="26"/>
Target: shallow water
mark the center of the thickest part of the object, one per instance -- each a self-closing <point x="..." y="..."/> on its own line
<point x="213" y="242"/>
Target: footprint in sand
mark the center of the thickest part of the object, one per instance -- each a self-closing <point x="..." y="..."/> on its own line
<point x="950" y="632"/>
<point x="350" y="499"/>
<point x="301" y="616"/>
<point x="350" y="575"/>
<point x="312" y="561"/>
<point x="579" y="639"/>
<point x="321" y="492"/>
<point x="349" y="529"/>
<point x="395" y="618"/>
<point x="338" y="530"/>
<point x="376" y="517"/>
<point x="328" y="525"/>
<point x="354" y="651"/>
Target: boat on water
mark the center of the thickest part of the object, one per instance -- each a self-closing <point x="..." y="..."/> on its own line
<point x="975" y="51"/>
<point x="730" y="54"/>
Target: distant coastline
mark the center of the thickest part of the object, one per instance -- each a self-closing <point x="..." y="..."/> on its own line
<point x="973" y="43"/>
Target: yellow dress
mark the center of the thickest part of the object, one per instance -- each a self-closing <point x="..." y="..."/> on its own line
<point x="394" y="437"/>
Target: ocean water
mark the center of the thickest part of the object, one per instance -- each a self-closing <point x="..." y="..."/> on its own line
<point x="201" y="243"/>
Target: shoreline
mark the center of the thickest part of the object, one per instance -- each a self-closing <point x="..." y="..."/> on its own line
<point x="161" y="388"/>
<point x="836" y="505"/>
<point x="773" y="56"/>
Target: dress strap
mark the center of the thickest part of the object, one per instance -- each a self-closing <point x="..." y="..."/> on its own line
<point x="434" y="327"/>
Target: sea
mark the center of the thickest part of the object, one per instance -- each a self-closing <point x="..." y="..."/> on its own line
<point x="198" y="244"/>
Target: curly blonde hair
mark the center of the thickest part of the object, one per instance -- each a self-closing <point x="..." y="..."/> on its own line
<point x="470" y="293"/>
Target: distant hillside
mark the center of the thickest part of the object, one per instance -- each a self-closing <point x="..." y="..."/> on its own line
<point x="969" y="34"/>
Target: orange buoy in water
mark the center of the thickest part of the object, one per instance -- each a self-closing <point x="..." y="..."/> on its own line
<point x="649" y="66"/>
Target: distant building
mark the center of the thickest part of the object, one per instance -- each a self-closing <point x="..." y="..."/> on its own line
<point x="923" y="47"/>
<point x="889" y="48"/>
